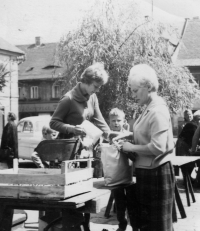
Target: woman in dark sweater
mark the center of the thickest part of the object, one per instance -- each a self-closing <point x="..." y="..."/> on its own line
<point x="81" y="104"/>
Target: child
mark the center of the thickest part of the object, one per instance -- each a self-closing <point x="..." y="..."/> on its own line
<point x="48" y="134"/>
<point x="123" y="196"/>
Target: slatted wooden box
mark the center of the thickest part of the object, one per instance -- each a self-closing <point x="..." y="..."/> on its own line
<point x="46" y="183"/>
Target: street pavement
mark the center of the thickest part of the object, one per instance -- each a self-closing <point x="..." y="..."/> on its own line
<point x="99" y="222"/>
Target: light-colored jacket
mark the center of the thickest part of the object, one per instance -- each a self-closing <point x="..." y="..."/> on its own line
<point x="154" y="129"/>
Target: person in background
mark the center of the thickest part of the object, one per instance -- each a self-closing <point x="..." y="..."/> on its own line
<point x="122" y="196"/>
<point x="126" y="125"/>
<point x="9" y="139"/>
<point x="195" y="148"/>
<point x="184" y="142"/>
<point x="188" y="117"/>
<point x="48" y="134"/>
<point x="81" y="104"/>
<point x="195" y="140"/>
<point x="153" y="144"/>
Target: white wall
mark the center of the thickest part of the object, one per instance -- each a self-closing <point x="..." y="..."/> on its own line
<point x="9" y="95"/>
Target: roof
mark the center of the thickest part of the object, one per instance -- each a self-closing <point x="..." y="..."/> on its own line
<point x="7" y="47"/>
<point x="40" y="62"/>
<point x="188" y="51"/>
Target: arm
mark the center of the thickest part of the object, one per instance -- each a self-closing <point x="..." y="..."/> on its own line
<point x="120" y="135"/>
<point x="61" y="112"/>
<point x="195" y="139"/>
<point x="98" y="118"/>
<point x="158" y="126"/>
<point x="58" y="118"/>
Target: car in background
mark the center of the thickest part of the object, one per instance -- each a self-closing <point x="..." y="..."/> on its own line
<point x="30" y="134"/>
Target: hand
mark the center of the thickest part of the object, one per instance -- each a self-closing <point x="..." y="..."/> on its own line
<point x="131" y="155"/>
<point x="79" y="131"/>
<point x="117" y="145"/>
<point x="126" y="146"/>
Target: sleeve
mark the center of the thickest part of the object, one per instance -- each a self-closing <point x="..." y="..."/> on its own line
<point x="98" y="118"/>
<point x="195" y="139"/>
<point x="15" y="140"/>
<point x="4" y="138"/>
<point x="61" y="112"/>
<point x="159" y="126"/>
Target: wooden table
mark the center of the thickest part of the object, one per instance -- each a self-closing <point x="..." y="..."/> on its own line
<point x="75" y="210"/>
<point x="181" y="162"/>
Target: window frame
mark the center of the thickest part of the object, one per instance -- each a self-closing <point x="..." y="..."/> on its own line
<point x="34" y="94"/>
<point x="54" y="95"/>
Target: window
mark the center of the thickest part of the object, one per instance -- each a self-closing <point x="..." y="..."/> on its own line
<point x="34" y="92"/>
<point x="25" y="127"/>
<point x="56" y="91"/>
<point x="20" y="126"/>
<point x="20" y="92"/>
<point x="28" y="127"/>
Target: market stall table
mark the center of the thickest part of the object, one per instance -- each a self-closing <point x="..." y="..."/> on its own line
<point x="75" y="210"/>
<point x="181" y="162"/>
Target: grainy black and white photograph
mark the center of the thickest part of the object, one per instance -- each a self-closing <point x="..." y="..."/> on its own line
<point x="99" y="115"/>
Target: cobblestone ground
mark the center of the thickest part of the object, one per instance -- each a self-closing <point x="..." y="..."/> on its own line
<point x="99" y="222"/>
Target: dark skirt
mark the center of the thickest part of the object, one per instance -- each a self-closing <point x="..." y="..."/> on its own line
<point x="155" y="196"/>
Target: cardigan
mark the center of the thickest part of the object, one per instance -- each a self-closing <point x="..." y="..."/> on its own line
<point x="154" y="129"/>
<point x="73" y="109"/>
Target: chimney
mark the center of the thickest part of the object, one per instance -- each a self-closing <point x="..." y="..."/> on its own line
<point x="37" y="41"/>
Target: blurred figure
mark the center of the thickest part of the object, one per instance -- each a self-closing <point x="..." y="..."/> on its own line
<point x="185" y="137"/>
<point x="126" y="125"/>
<point x="48" y="134"/>
<point x="188" y="117"/>
<point x="184" y="142"/>
<point x="9" y="139"/>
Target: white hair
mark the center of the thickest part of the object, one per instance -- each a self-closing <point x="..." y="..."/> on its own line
<point x="144" y="75"/>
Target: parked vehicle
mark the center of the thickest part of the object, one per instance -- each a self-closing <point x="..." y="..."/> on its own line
<point x="30" y="134"/>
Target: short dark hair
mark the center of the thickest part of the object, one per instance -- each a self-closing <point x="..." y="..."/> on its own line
<point x="94" y="73"/>
<point x="12" y="116"/>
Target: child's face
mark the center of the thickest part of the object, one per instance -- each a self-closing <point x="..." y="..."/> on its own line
<point x="116" y="122"/>
<point x="49" y="136"/>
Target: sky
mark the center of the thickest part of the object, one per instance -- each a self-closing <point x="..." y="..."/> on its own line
<point x="22" y="20"/>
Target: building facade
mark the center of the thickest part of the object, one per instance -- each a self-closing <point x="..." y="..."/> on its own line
<point x="187" y="54"/>
<point x="10" y="58"/>
<point x="39" y="88"/>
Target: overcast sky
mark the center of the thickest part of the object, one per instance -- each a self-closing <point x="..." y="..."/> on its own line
<point x="22" y="20"/>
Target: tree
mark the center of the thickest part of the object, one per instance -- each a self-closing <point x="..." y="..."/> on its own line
<point x="119" y="44"/>
<point x="3" y="73"/>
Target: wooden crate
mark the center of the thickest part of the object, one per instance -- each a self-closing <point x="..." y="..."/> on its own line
<point x="46" y="183"/>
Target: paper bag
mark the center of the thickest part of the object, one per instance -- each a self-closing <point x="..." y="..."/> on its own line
<point x="117" y="168"/>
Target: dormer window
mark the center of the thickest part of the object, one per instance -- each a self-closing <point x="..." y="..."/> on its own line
<point x="51" y="67"/>
<point x="29" y="69"/>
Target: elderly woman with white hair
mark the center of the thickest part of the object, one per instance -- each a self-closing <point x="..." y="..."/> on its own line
<point x="153" y="144"/>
